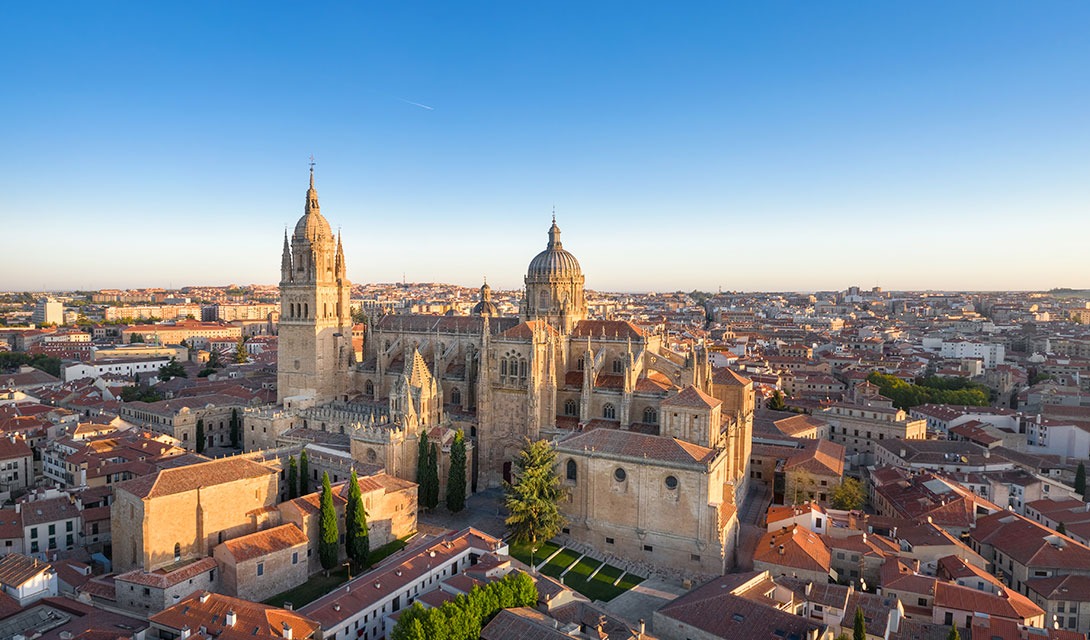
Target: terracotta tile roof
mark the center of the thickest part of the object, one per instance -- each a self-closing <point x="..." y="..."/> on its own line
<point x="802" y="549"/>
<point x="190" y="477"/>
<point x="798" y="423"/>
<point x="253" y="620"/>
<point x="730" y="377"/>
<point x="15" y="569"/>
<point x="262" y="543"/>
<point x="716" y="609"/>
<point x="992" y="628"/>
<point x="161" y="578"/>
<point x="1062" y="587"/>
<point x="48" y="510"/>
<point x="691" y="397"/>
<point x="1029" y="543"/>
<point x="652" y="385"/>
<point x="823" y="457"/>
<point x="617" y="329"/>
<point x="1010" y="604"/>
<point x="638" y="445"/>
<point x="525" y="330"/>
<point x="11" y="524"/>
<point x="14" y="447"/>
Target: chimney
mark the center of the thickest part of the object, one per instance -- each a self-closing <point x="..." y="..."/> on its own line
<point x="184" y="633"/>
<point x="642" y="629"/>
<point x="231" y="618"/>
<point x="286" y="633"/>
<point x="287" y="606"/>
<point x="781" y="549"/>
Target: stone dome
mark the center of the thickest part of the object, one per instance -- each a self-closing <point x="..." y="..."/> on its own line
<point x="554" y="261"/>
<point x="486" y="307"/>
<point x="312" y="226"/>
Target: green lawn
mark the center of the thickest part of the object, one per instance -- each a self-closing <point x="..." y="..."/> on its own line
<point x="320" y="584"/>
<point x="600" y="588"/>
<point x="522" y="552"/>
<point x="559" y="563"/>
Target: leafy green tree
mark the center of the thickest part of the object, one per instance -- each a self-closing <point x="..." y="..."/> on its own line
<point x="136" y="338"/>
<point x="241" y="355"/>
<point x="953" y="635"/>
<point x="236" y="428"/>
<point x="200" y="436"/>
<point x="859" y="630"/>
<point x="1060" y="528"/>
<point x="456" y="478"/>
<point x="849" y="495"/>
<point x="804" y="487"/>
<point x="1080" y="480"/>
<point x="433" y="477"/>
<point x="213" y="359"/>
<point x="356" y="536"/>
<point x="293" y="478"/>
<point x="172" y="369"/>
<point x="304" y="473"/>
<point x="776" y="402"/>
<point x="327" y="527"/>
<point x="532" y="499"/>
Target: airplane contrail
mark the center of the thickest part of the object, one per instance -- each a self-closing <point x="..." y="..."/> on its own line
<point x="417" y="104"/>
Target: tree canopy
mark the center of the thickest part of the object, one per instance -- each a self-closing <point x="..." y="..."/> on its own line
<point x="456" y="477"/>
<point x="532" y="499"/>
<point x="463" y="617"/>
<point x="937" y="390"/>
<point x="172" y="369"/>
<point x="357" y="541"/>
<point x="328" y="535"/>
<point x="849" y="495"/>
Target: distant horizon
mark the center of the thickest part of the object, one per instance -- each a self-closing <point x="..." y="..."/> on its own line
<point x="863" y="290"/>
<point x="935" y="146"/>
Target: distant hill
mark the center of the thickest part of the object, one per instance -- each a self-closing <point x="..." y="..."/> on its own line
<point x="1063" y="292"/>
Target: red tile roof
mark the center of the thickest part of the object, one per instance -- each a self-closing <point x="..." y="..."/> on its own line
<point x="262" y="543"/>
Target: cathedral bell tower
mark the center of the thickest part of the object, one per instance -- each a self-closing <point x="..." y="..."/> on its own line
<point x="315" y="329"/>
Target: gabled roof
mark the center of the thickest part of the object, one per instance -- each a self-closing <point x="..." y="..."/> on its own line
<point x="691" y="397"/>
<point x="262" y="543"/>
<point x="607" y="328"/>
<point x="801" y="549"/>
<point x="630" y="444"/>
<point x="191" y="477"/>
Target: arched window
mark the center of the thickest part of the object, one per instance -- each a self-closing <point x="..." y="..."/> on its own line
<point x="455" y="396"/>
<point x="618" y="365"/>
<point x="543" y="300"/>
<point x="571" y="408"/>
<point x="579" y="364"/>
<point x="177" y="552"/>
<point x="571" y="470"/>
<point x="369" y="388"/>
<point x="609" y="412"/>
<point x="650" y="416"/>
<point x="522" y="370"/>
<point x="306" y="309"/>
<point x="503" y="369"/>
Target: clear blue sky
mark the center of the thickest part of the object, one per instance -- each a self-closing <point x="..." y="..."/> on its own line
<point x="750" y="146"/>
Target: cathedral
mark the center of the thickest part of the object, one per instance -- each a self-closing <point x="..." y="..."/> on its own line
<point x="653" y="445"/>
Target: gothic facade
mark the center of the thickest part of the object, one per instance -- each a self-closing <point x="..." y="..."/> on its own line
<point x="551" y="373"/>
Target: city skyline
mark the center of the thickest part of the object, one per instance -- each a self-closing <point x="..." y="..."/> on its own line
<point x="721" y="147"/>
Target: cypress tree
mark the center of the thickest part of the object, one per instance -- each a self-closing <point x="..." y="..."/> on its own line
<point x="356" y="536"/>
<point x="327" y="527"/>
<point x="456" y="478"/>
<point x="422" y="470"/>
<point x="235" y="428"/>
<point x="293" y="478"/>
<point x="433" y="477"/>
<point x="859" y="632"/>
<point x="953" y="635"/>
<point x="1080" y="480"/>
<point x="200" y="435"/>
<point x="304" y="470"/>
